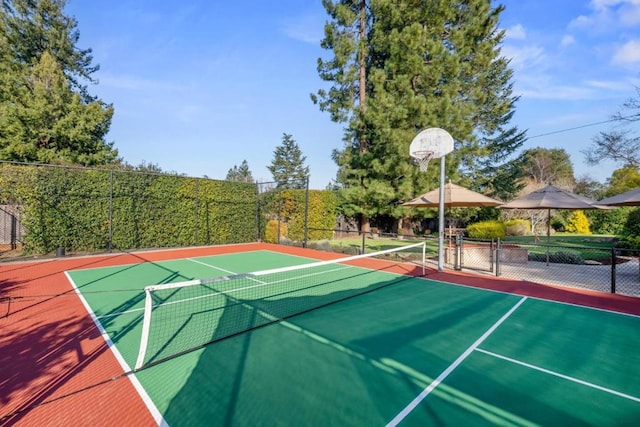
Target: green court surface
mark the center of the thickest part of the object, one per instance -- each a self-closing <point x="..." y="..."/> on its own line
<point x="415" y="352"/>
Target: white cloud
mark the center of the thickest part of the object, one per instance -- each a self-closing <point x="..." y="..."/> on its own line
<point x="516" y="32"/>
<point x="525" y="57"/>
<point x="567" y="40"/>
<point x="543" y="89"/>
<point x="622" y="86"/>
<point x="307" y="29"/>
<point x="628" y="53"/>
<point x="609" y="15"/>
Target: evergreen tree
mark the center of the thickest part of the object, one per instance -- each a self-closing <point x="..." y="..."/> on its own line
<point x="46" y="115"/>
<point x="241" y="174"/>
<point x="33" y="27"/>
<point x="428" y="64"/>
<point x="287" y="167"/>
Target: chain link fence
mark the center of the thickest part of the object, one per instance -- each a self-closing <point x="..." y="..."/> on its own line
<point x="610" y="270"/>
<point x="62" y="210"/>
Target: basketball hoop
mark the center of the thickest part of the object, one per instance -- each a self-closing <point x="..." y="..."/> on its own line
<point x="433" y="143"/>
<point x="422" y="157"/>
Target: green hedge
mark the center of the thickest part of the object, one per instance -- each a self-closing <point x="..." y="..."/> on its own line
<point x="83" y="209"/>
<point x="288" y="206"/>
<point x="487" y="230"/>
<point x="95" y="209"/>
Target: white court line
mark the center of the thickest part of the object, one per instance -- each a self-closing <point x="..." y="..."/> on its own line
<point x="146" y="399"/>
<point x="211" y="266"/>
<point x="259" y="283"/>
<point x="557" y="374"/>
<point x="415" y="402"/>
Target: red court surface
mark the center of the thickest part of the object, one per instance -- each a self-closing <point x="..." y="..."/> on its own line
<point x="56" y="368"/>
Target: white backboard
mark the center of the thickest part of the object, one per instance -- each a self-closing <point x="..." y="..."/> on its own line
<point x="435" y="140"/>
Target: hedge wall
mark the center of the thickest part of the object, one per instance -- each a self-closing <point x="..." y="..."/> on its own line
<point x="288" y="206"/>
<point x="83" y="209"/>
<point x="96" y="209"/>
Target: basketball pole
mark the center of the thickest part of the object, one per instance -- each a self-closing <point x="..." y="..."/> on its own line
<point x="441" y="218"/>
<point x="426" y="145"/>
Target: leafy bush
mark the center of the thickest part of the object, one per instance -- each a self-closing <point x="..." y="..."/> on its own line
<point x="518" y="227"/>
<point x="632" y="225"/>
<point x="608" y="221"/>
<point x="487" y="230"/>
<point x="629" y="242"/>
<point x="578" y="223"/>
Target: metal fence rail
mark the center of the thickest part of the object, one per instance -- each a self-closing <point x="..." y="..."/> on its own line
<point x="600" y="269"/>
<point x="585" y="267"/>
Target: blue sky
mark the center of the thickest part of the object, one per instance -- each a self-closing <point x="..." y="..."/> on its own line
<point x="200" y="86"/>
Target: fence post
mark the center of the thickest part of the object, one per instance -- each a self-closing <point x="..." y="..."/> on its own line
<point x="306" y="213"/>
<point x="458" y="251"/>
<point x="110" y="244"/>
<point x="498" y="251"/>
<point x="613" y="270"/>
<point x="195" y="213"/>
<point x="492" y="255"/>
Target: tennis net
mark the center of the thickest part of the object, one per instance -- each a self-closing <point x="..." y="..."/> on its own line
<point x="185" y="316"/>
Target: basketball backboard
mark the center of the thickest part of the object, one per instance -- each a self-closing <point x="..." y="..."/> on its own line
<point x="434" y="142"/>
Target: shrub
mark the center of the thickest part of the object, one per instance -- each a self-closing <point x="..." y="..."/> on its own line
<point x="518" y="227"/>
<point x="629" y="242"/>
<point x="632" y="225"/>
<point x="487" y="230"/>
<point x="578" y="223"/>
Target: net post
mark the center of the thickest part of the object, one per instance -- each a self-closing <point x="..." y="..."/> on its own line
<point x="146" y="324"/>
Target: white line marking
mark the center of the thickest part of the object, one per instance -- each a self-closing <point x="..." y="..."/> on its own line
<point x="415" y="402"/>
<point x="153" y="410"/>
<point x="210" y="266"/>
<point x="557" y="374"/>
<point x="259" y="283"/>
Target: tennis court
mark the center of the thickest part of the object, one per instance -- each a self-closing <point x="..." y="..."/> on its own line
<point x="384" y="348"/>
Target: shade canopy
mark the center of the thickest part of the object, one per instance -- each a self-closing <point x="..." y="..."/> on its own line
<point x="455" y="196"/>
<point x="628" y="198"/>
<point x="551" y="197"/>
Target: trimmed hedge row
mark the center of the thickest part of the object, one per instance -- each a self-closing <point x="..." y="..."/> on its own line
<point x="287" y="206"/>
<point x="82" y="209"/>
<point x="97" y="209"/>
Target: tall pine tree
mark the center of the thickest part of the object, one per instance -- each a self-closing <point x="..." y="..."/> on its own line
<point x="46" y="112"/>
<point x="240" y="173"/>
<point x="427" y="64"/>
<point x="287" y="167"/>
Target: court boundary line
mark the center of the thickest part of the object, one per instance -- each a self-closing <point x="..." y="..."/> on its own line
<point x="137" y="385"/>
<point x="140" y="253"/>
<point x="588" y="307"/>
<point x="215" y="267"/>
<point x="559" y="375"/>
<point x="420" y="397"/>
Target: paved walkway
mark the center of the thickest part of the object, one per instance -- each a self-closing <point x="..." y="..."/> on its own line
<point x="594" y="277"/>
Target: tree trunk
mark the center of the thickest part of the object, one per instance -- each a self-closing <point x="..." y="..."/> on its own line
<point x="365" y="225"/>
